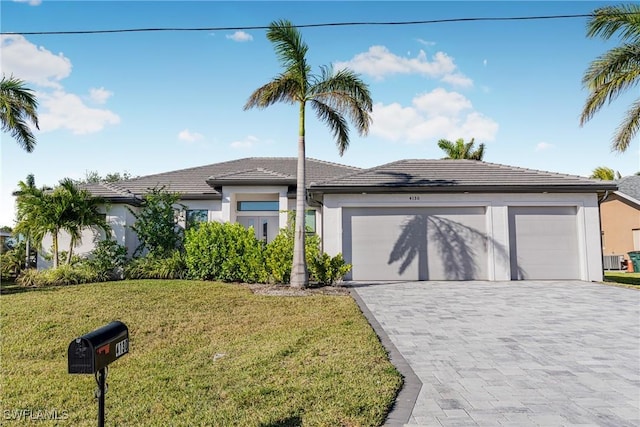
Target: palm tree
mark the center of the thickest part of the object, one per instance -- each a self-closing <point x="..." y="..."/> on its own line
<point x="81" y="212"/>
<point x="18" y="105"/>
<point x="461" y="150"/>
<point x="604" y="173"/>
<point x="42" y="211"/>
<point x="333" y="95"/>
<point x="615" y="71"/>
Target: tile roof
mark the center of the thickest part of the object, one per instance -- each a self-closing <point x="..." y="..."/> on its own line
<point x="192" y="182"/>
<point x="458" y="175"/>
<point x="630" y="186"/>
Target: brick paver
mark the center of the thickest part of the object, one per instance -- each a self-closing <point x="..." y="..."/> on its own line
<point x="516" y="353"/>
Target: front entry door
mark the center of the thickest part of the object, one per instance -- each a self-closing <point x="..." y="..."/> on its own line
<point x="265" y="227"/>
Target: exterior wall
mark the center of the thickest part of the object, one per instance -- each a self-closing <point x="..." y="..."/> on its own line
<point x="497" y="218"/>
<point x="619" y="218"/>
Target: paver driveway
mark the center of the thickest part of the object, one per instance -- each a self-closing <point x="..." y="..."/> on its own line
<point x="516" y="353"/>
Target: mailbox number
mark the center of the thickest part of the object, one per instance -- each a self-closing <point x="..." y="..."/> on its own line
<point x="122" y="347"/>
<point x="414" y="197"/>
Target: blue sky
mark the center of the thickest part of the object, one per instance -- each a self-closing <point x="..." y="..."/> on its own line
<point x="159" y="101"/>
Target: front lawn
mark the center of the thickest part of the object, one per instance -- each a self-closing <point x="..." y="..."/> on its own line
<point x="201" y="353"/>
<point x="622" y="277"/>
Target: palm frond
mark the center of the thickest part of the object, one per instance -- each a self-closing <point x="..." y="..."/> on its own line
<point x="608" y="76"/>
<point x="609" y="20"/>
<point x="346" y="93"/>
<point x="628" y="129"/>
<point x="290" y="48"/>
<point x="283" y="88"/>
<point x="18" y="105"/>
<point x="336" y="122"/>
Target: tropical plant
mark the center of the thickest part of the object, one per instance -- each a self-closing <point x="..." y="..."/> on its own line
<point x="18" y="106"/>
<point x="42" y="211"/>
<point x="461" y="150"/>
<point x="157" y="223"/>
<point x="82" y="212"/>
<point x="604" y="173"/>
<point x="615" y="71"/>
<point x="333" y="95"/>
<point x="108" y="259"/>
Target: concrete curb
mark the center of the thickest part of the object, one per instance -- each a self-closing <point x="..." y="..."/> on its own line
<point x="406" y="398"/>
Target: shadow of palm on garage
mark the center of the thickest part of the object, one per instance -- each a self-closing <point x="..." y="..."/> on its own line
<point x="457" y="250"/>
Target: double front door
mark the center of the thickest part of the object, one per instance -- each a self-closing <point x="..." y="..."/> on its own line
<point x="266" y="228"/>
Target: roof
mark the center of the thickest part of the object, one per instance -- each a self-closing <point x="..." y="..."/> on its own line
<point x="629" y="187"/>
<point x="197" y="182"/>
<point x="458" y="175"/>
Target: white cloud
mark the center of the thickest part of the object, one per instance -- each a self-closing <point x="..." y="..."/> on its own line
<point x="426" y="42"/>
<point x="32" y="63"/>
<point x="244" y="144"/>
<point x="240" y="36"/>
<point x="31" y="2"/>
<point x="188" y="136"/>
<point x="100" y="95"/>
<point x="378" y="62"/>
<point x="544" y="146"/>
<point x="484" y="62"/>
<point x="61" y="110"/>
<point x="432" y="116"/>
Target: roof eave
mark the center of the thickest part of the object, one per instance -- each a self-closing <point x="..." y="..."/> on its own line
<point x="461" y="189"/>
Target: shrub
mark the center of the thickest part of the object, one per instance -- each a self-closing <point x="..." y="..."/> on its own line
<point x="327" y="270"/>
<point x="107" y="260"/>
<point x="279" y="254"/>
<point x="11" y="264"/>
<point x="224" y="251"/>
<point x="62" y="276"/>
<point x="156" y="267"/>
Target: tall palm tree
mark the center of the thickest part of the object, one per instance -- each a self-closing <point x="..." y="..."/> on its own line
<point x="615" y="71"/>
<point x="333" y="95"/>
<point x="604" y="173"/>
<point x="18" y="106"/>
<point x="461" y="150"/>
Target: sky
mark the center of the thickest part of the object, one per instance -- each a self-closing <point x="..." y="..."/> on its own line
<point x="151" y="102"/>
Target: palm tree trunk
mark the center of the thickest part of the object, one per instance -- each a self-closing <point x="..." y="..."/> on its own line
<point x="70" y="254"/>
<point x="299" y="276"/>
<point x="55" y="248"/>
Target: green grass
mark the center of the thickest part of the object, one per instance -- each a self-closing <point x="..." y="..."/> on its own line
<point x="622" y="277"/>
<point x="281" y="361"/>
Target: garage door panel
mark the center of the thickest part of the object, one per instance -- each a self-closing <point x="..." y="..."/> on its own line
<point x="544" y="243"/>
<point x="416" y="243"/>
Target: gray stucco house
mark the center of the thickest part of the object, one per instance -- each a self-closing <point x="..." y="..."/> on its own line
<point x="412" y="219"/>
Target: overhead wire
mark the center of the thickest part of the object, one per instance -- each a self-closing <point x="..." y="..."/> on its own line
<point x="328" y="24"/>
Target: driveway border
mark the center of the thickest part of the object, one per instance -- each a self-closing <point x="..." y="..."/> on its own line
<point x="406" y="399"/>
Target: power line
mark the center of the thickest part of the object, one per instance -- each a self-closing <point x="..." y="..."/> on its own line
<point x="330" y="24"/>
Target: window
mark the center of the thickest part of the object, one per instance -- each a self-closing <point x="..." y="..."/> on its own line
<point x="262" y="205"/>
<point x="196" y="216"/>
<point x="310" y="221"/>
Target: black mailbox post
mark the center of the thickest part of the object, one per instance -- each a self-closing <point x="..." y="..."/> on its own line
<point x="93" y="352"/>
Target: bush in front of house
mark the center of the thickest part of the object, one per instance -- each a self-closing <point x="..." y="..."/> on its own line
<point x="327" y="270"/>
<point x="279" y="254"/>
<point x="224" y="251"/>
<point x="63" y="275"/>
<point x="170" y="266"/>
<point x="108" y="260"/>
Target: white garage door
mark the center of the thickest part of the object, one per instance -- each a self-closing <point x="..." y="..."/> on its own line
<point x="544" y="243"/>
<point x="416" y="243"/>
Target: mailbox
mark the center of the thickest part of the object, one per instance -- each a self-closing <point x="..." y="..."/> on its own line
<point x="94" y="351"/>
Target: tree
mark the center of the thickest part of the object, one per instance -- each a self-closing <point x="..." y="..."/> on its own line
<point x="461" y="150"/>
<point x="82" y="211"/>
<point x="42" y="211"/>
<point x="156" y="223"/>
<point x="615" y="71"/>
<point x="334" y="96"/>
<point x="93" y="177"/>
<point x="18" y="106"/>
<point x="604" y="173"/>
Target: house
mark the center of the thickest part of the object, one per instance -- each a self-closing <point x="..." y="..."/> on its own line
<point x="406" y="220"/>
<point x="620" y="213"/>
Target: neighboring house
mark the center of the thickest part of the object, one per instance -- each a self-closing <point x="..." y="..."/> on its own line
<point x="406" y="220"/>
<point x="620" y="212"/>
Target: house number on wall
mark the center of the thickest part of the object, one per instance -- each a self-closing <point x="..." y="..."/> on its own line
<point x="414" y="197"/>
